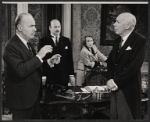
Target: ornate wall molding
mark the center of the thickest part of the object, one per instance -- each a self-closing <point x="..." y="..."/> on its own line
<point x="91" y="21"/>
<point x="66" y="20"/>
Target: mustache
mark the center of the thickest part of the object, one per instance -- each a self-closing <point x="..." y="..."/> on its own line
<point x="57" y="31"/>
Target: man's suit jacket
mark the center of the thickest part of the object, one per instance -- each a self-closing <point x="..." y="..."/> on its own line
<point x="124" y="67"/>
<point x="23" y="76"/>
<point x="59" y="74"/>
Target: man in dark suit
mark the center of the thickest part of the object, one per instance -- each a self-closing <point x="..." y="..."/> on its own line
<point x="62" y="73"/>
<point x="23" y="75"/>
<point x="124" y="63"/>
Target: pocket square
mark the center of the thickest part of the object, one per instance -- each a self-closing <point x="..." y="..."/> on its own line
<point x="128" y="48"/>
<point x="66" y="47"/>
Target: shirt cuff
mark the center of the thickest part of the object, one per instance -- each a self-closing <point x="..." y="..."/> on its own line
<point x="39" y="58"/>
<point x="115" y="85"/>
<point x="71" y="75"/>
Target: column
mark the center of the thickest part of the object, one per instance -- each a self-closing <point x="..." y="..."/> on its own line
<point x="22" y="8"/>
<point x="66" y="20"/>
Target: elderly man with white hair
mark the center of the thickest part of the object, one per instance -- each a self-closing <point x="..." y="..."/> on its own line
<point x="124" y="63"/>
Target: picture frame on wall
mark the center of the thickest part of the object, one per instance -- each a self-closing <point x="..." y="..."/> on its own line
<point x="109" y="14"/>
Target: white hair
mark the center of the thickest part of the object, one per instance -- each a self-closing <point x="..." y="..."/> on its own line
<point x="19" y="18"/>
<point x="130" y="18"/>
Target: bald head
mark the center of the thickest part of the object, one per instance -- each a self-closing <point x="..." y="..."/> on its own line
<point x="54" y="21"/>
<point x="128" y="18"/>
<point x="20" y="17"/>
<point x="55" y="27"/>
<point x="25" y="26"/>
<point x="125" y="23"/>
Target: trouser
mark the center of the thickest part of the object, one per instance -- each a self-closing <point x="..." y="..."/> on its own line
<point x="119" y="108"/>
<point x="28" y="114"/>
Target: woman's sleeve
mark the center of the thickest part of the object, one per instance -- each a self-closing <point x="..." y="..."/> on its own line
<point x="85" y="58"/>
<point x="100" y="56"/>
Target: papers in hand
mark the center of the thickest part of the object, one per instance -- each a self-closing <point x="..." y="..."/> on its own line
<point x="98" y="88"/>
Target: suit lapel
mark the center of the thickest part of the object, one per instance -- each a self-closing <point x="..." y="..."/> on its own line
<point x="23" y="47"/>
<point x="51" y="41"/>
<point x="126" y="44"/>
<point x="60" y="44"/>
<point x="116" y="49"/>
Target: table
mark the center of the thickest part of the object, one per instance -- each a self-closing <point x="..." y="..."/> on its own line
<point x="60" y="108"/>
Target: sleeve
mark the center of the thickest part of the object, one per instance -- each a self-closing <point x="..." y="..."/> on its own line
<point x="45" y="67"/>
<point x="110" y="66"/>
<point x="134" y="66"/>
<point x="13" y="58"/>
<point x="101" y="56"/>
<point x="85" y="58"/>
<point x="110" y="63"/>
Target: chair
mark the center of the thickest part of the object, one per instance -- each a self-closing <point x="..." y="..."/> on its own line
<point x="80" y="74"/>
<point x="5" y="109"/>
<point x="95" y="78"/>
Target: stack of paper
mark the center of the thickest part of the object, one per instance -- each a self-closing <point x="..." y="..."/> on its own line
<point x="98" y="88"/>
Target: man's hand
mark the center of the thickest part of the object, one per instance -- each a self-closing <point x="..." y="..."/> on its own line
<point x="104" y="64"/>
<point x="55" y="59"/>
<point x="111" y="85"/>
<point x="72" y="80"/>
<point x="44" y="50"/>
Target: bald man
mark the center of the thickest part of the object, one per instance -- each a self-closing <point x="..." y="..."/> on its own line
<point x="63" y="73"/>
<point x="23" y="74"/>
<point x="124" y="63"/>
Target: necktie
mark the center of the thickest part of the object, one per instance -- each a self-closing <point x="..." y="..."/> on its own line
<point x="120" y="44"/>
<point x="56" y="41"/>
<point x="30" y="48"/>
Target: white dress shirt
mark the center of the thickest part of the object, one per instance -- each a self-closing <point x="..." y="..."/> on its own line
<point x="125" y="38"/>
<point x="23" y="40"/>
<point x="54" y="38"/>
